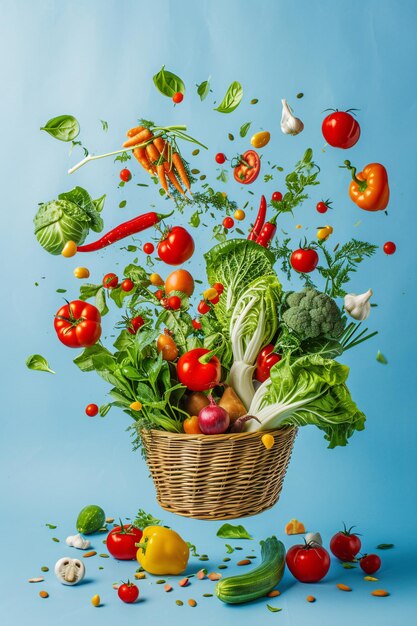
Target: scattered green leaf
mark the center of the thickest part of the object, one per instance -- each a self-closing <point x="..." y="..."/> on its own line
<point x="384" y="546"/>
<point x="168" y="83"/>
<point x="203" y="89"/>
<point x="273" y="609"/>
<point x="381" y="358"/>
<point x="244" y="129"/>
<point x="232" y="99"/>
<point x="63" y="127"/>
<point x="228" y="531"/>
<point x="39" y="363"/>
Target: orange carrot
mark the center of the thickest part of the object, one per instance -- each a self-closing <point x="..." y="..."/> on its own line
<point x="161" y="146"/>
<point x="144" y="135"/>
<point x="173" y="179"/>
<point x="134" y="131"/>
<point x="179" y="166"/>
<point x="141" y="156"/>
<point x="155" y="159"/>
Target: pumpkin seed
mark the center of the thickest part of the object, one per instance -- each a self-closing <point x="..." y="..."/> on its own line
<point x="195" y="171"/>
<point x="161" y="581"/>
<point x="104" y="556"/>
<point x="254" y="101"/>
<point x="231" y="137"/>
<point x="207" y="595"/>
<point x="55" y="539"/>
<point x="226" y="559"/>
<point x="300" y="95"/>
<point x="36" y="580"/>
<point x="44" y="569"/>
<point x="179" y="602"/>
<point x="88" y="554"/>
<point x="192" y="602"/>
<point x="195" y="152"/>
<point x="222" y="567"/>
<point x="44" y="594"/>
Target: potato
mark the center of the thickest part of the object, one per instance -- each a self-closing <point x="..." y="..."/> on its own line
<point x="231" y="402"/>
<point x="195" y="402"/>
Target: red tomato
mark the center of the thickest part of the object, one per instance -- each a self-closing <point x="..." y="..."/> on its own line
<point x="341" y="130"/>
<point x="176" y="247"/>
<point x="308" y="563"/>
<point x="91" y="410"/>
<point x="304" y="260"/>
<point x="203" y="307"/>
<point x="215" y="299"/>
<point x="197" y="375"/>
<point x="165" y="303"/>
<point x="148" y="248"/>
<point x="110" y="281"/>
<point x="77" y="324"/>
<point x="128" y="592"/>
<point x="125" y="175"/>
<point x="219" y="288"/>
<point x="174" y="303"/>
<point x="220" y="158"/>
<point x="266" y="359"/>
<point x="228" y="222"/>
<point x="178" y="97"/>
<point x="127" y="284"/>
<point x="345" y="545"/>
<point x="159" y="294"/>
<point x="248" y="168"/>
<point x="370" y="563"/>
<point x="121" y="542"/>
<point x="196" y="324"/>
<point x="389" y="247"/>
<point x="321" y="207"/>
<point x="277" y="196"/>
<point x="180" y="280"/>
<point x="134" y="324"/>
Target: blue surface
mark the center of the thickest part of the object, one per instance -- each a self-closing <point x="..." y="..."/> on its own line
<point x="96" y="60"/>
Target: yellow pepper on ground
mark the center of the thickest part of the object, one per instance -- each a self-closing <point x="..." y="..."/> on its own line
<point x="162" y="551"/>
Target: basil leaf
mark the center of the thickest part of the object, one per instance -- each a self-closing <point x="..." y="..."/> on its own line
<point x="273" y="609"/>
<point x="381" y="358"/>
<point x="232" y="98"/>
<point x="244" y="129"/>
<point x="384" y="546"/>
<point x="99" y="203"/>
<point x="168" y="83"/>
<point x="195" y="219"/>
<point x="101" y="302"/>
<point x="63" y="127"/>
<point x="39" y="363"/>
<point x="227" y="531"/>
<point x="229" y="549"/>
<point x="88" y="290"/>
<point x="203" y="89"/>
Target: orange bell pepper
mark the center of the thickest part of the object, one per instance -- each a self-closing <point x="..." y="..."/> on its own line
<point x="295" y="527"/>
<point x="369" y="189"/>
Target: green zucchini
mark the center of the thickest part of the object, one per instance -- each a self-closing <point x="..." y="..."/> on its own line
<point x="259" y="581"/>
<point x="90" y="519"/>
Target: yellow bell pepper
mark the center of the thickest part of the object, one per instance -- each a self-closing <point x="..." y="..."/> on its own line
<point x="162" y="551"/>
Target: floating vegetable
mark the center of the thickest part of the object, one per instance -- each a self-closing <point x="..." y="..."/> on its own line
<point x="247" y="167"/>
<point x="294" y="527"/>
<point x="63" y="127"/>
<point x="259" y="222"/>
<point x="370" y="563"/>
<point x="38" y="362"/>
<point x="261" y="139"/>
<point x="389" y="247"/>
<point x="162" y="551"/>
<point x="77" y="324"/>
<point x="81" y="272"/>
<point x="136" y="225"/>
<point x="77" y="541"/>
<point x="290" y="125"/>
<point x="69" y="250"/>
<point x="179" y="280"/>
<point x="340" y="129"/>
<point x="213" y="419"/>
<point x="369" y="189"/>
<point x="69" y="571"/>
<point x="359" y="306"/>
<point x="176" y="246"/>
<point x="324" y="233"/>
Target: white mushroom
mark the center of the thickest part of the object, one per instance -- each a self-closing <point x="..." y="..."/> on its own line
<point x="69" y="571"/>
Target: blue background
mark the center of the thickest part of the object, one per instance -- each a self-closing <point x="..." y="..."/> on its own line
<point x="96" y="60"/>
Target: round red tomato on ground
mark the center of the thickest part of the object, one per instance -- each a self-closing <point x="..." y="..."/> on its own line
<point x="308" y="563"/>
<point x="121" y="542"/>
<point x="176" y="247"/>
<point x="341" y="130"/>
<point x="77" y="324"/>
<point x="304" y="260"/>
<point x="370" y="563"/>
<point x="345" y="545"/>
<point x="128" y="592"/>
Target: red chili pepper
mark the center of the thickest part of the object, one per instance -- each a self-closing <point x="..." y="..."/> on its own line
<point x="136" y="225"/>
<point x="259" y="222"/>
<point x="268" y="231"/>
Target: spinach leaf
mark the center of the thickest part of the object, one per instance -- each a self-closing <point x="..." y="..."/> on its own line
<point x="232" y="98"/>
<point x="228" y="531"/>
<point x="244" y="129"/>
<point x="168" y="83"/>
<point x="99" y="203"/>
<point x="88" y="290"/>
<point x="63" y="127"/>
<point x="38" y="362"/>
<point x="203" y="89"/>
<point x="85" y="360"/>
<point x="101" y="302"/>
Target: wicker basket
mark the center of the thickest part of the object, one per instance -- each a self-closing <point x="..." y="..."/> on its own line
<point x="217" y="476"/>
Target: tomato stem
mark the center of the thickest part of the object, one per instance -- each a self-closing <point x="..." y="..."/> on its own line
<point x="205" y="358"/>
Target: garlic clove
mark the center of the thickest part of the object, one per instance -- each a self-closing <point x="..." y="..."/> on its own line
<point x="314" y="538"/>
<point x="290" y="125"/>
<point x="358" y="306"/>
<point x="77" y="541"/>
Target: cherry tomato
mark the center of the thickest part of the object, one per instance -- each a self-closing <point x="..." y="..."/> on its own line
<point x="197" y="375"/>
<point x="215" y="299"/>
<point x="176" y="247"/>
<point x="121" y="542"/>
<point x="110" y="281"/>
<point x="127" y="284"/>
<point x="178" y="97"/>
<point x="304" y="260"/>
<point x="239" y="215"/>
<point x="196" y="324"/>
<point x="148" y="248"/>
<point x="165" y="303"/>
<point x="91" y="410"/>
<point x="167" y="346"/>
<point x="128" y="592"/>
<point x="174" y="303"/>
<point x="125" y="175"/>
<point x="308" y="563"/>
<point x="220" y="158"/>
<point x="248" y="167"/>
<point x="159" y="294"/>
<point x="219" y="288"/>
<point x="228" y="222"/>
<point x="203" y="307"/>
<point x="389" y="247"/>
<point x="277" y="196"/>
<point x="180" y="280"/>
<point x="370" y="563"/>
<point x="156" y="280"/>
<point x="190" y="425"/>
<point x="266" y="359"/>
<point x="345" y="545"/>
<point x="134" y="324"/>
<point x="81" y="272"/>
<point x="77" y="324"/>
<point x="321" y="207"/>
<point x="341" y="130"/>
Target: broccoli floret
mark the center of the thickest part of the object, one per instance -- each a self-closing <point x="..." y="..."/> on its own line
<point x="313" y="314"/>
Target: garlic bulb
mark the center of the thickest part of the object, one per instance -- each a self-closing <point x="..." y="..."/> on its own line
<point x="290" y="125"/>
<point x="77" y="541"/>
<point x="359" y="306"/>
<point x="314" y="538"/>
<point x="69" y="571"/>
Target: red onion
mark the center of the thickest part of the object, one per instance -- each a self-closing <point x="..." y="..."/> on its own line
<point x="212" y="419"/>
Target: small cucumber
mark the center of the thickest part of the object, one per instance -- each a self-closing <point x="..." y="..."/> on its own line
<point x="259" y="581"/>
<point x="90" y="519"/>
